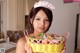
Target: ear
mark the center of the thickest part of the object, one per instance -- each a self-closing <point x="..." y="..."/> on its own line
<point x="31" y="20"/>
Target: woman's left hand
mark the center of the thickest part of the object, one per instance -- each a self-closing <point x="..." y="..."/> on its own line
<point x="63" y="50"/>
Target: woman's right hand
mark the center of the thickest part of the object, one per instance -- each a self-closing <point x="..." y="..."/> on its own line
<point x="28" y="48"/>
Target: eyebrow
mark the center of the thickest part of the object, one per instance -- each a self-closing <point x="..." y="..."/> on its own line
<point x="37" y="16"/>
<point x="40" y="17"/>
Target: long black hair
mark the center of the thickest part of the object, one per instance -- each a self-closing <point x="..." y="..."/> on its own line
<point x="33" y="13"/>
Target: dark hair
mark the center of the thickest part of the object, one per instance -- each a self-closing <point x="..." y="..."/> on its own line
<point x="33" y="13"/>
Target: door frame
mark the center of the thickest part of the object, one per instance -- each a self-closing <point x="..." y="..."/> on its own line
<point x="4" y="16"/>
<point x="1" y="15"/>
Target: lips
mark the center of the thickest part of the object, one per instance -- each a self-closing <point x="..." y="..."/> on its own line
<point x="42" y="28"/>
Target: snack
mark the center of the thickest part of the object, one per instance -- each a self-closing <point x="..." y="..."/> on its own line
<point x="47" y="43"/>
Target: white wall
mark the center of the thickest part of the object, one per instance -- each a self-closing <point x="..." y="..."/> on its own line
<point x="65" y="20"/>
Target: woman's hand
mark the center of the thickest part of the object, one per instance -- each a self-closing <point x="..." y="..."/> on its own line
<point x="63" y="50"/>
<point x="28" y="49"/>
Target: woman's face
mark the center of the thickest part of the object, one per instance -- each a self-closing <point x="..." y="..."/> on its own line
<point x="41" y="22"/>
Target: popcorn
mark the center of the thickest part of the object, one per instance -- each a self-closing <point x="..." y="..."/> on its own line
<point x="44" y="4"/>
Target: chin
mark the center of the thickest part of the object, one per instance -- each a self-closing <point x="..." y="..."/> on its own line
<point x="41" y="31"/>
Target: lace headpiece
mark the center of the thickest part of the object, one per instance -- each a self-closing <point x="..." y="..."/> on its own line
<point x="44" y="4"/>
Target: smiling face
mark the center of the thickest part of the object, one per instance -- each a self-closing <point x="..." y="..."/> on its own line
<point x="40" y="22"/>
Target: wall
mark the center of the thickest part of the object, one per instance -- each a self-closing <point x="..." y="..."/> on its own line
<point x="65" y="20"/>
<point x="29" y="5"/>
<point x="26" y="9"/>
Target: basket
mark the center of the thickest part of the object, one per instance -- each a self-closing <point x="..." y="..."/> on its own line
<point x="50" y="48"/>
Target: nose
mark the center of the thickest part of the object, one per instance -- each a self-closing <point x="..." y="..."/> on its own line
<point x="42" y="23"/>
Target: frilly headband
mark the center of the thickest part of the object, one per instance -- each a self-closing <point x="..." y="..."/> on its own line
<point x="44" y="4"/>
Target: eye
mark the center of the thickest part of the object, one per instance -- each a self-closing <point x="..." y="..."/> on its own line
<point x="37" y="18"/>
<point x="46" y="19"/>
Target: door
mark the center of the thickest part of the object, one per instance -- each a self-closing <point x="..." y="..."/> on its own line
<point x="0" y="17"/>
<point x="1" y="24"/>
<point x="78" y="42"/>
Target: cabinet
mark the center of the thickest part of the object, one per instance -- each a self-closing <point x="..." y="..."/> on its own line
<point x="21" y="14"/>
<point x="16" y="15"/>
<point x="17" y="9"/>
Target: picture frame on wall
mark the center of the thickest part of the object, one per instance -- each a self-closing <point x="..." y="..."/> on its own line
<point x="69" y="1"/>
<point x="26" y="21"/>
<point x="77" y="32"/>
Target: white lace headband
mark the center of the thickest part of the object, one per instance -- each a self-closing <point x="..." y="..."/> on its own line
<point x="44" y="4"/>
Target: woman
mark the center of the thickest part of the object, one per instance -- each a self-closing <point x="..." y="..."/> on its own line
<point x="40" y="18"/>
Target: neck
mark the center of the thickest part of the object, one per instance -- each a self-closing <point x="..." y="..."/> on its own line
<point x="37" y="33"/>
